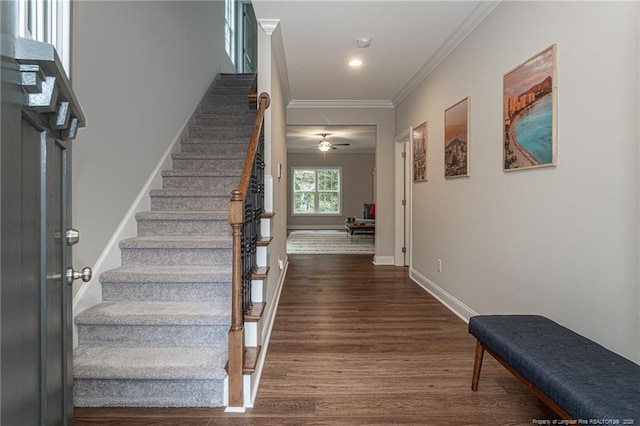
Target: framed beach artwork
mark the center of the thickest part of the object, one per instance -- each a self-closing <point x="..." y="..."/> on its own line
<point x="529" y="129"/>
<point x="420" y="153"/>
<point x="456" y="140"/>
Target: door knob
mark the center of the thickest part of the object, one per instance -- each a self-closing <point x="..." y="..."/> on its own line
<point x="85" y="274"/>
<point x="73" y="236"/>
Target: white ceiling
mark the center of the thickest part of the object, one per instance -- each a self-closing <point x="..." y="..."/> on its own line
<point x="409" y="38"/>
<point x="304" y="139"/>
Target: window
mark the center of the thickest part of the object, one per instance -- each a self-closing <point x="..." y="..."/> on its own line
<point x="230" y="29"/>
<point x="49" y="22"/>
<point x="316" y="191"/>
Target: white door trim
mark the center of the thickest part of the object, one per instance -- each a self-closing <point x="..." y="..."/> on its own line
<point x="403" y="187"/>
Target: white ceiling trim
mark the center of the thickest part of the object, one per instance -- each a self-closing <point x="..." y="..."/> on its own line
<point x="466" y="27"/>
<point x="320" y="103"/>
<point x="268" y="25"/>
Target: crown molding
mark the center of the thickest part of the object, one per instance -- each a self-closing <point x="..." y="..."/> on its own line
<point x="321" y="103"/>
<point x="478" y="14"/>
<point x="268" y="25"/>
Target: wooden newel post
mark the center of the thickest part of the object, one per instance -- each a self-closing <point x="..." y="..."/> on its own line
<point x="236" y="332"/>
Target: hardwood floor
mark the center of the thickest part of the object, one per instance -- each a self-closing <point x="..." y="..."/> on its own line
<point x="357" y="344"/>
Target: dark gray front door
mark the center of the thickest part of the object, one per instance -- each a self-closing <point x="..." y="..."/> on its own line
<point x="56" y="294"/>
<point x="39" y="118"/>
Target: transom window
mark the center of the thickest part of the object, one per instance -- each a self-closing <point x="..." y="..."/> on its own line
<point x="317" y="191"/>
<point x="47" y="21"/>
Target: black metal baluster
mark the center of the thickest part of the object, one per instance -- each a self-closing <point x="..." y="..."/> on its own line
<point x="254" y="207"/>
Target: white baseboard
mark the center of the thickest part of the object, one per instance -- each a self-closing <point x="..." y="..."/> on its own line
<point x="318" y="227"/>
<point x="384" y="260"/>
<point x="453" y="304"/>
<point x="268" y="327"/>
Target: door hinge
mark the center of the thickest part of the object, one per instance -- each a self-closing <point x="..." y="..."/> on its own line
<point x="404" y="202"/>
<point x="404" y="249"/>
<point x="404" y="154"/>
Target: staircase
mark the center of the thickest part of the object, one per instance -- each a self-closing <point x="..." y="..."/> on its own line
<point x="159" y="337"/>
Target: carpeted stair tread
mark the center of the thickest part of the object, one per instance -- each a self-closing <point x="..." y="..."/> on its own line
<point x="205" y="156"/>
<point x="156" y="363"/>
<point x="183" y="215"/>
<point x="221" y="137"/>
<point x="175" y="241"/>
<point x="201" y="173"/>
<point x="213" y="118"/>
<point x="156" y="313"/>
<point x="168" y="274"/>
<point x="224" y="132"/>
<point x="166" y="192"/>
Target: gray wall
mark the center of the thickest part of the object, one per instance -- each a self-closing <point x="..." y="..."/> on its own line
<point x="139" y="70"/>
<point x="357" y="186"/>
<point x="561" y="241"/>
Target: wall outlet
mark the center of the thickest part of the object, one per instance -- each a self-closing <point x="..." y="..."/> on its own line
<point x="439" y="265"/>
<point x="280" y="263"/>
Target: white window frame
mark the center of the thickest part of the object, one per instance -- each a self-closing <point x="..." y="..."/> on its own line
<point x="315" y="211"/>
<point x="230" y="27"/>
<point x="48" y="21"/>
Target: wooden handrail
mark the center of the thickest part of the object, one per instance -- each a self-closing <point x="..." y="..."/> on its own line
<point x="241" y="243"/>
<point x="263" y="104"/>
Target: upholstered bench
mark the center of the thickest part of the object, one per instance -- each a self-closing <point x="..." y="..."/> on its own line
<point x="574" y="376"/>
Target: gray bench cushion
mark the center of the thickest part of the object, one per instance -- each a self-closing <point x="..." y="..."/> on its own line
<point x="582" y="377"/>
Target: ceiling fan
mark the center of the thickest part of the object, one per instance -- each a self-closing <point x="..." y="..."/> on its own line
<point x="324" y="145"/>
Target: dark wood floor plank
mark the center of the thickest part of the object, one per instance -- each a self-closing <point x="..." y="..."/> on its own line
<point x="357" y="344"/>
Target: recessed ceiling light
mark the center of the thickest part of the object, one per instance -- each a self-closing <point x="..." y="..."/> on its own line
<point x="355" y="63"/>
<point x="363" y="42"/>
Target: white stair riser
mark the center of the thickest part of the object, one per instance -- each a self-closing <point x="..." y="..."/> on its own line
<point x="257" y="291"/>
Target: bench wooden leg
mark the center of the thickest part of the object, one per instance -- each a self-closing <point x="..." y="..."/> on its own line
<point x="477" y="365"/>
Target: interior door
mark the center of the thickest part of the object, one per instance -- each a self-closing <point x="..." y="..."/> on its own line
<point x="404" y="162"/>
<point x="40" y="116"/>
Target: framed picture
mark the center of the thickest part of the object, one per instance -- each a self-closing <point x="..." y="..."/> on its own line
<point x="529" y="128"/>
<point x="456" y="140"/>
<point x="420" y="153"/>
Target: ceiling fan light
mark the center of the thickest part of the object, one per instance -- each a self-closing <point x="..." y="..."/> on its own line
<point x="324" y="145"/>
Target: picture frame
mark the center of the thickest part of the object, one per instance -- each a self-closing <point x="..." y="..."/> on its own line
<point x="420" y="147"/>
<point x="530" y="113"/>
<point x="456" y="140"/>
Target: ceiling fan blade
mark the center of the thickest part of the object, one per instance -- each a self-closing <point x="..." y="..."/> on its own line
<point x="341" y="144"/>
